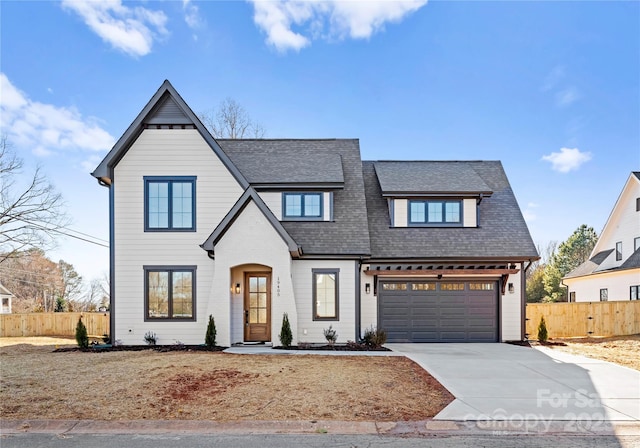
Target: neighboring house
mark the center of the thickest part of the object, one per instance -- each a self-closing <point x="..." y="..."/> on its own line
<point x="613" y="269"/>
<point x="247" y="230"/>
<point x="5" y="300"/>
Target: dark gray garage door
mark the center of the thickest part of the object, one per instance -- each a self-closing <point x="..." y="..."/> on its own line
<point x="430" y="311"/>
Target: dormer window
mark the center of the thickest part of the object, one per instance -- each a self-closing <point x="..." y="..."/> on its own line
<point x="302" y="206"/>
<point x="435" y="212"/>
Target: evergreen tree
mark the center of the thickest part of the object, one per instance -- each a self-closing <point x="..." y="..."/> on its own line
<point x="285" y="333"/>
<point x="571" y="254"/>
<point x="82" y="337"/>
<point x="210" y="336"/>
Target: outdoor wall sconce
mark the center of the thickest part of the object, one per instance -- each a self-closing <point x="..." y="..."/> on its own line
<point x="237" y="288"/>
<point x="439" y="276"/>
<point x="510" y="287"/>
<point x="367" y="288"/>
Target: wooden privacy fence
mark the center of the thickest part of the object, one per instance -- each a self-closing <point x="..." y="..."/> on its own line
<point x="584" y="318"/>
<point x="52" y="324"/>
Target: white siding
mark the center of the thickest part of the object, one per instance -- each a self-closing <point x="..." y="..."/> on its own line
<point x="273" y="200"/>
<point x="250" y="240"/>
<point x="623" y="225"/>
<point x="165" y="152"/>
<point x="368" y="303"/>
<point x="326" y="198"/>
<point x="616" y="283"/>
<point x="469" y="213"/>
<point x="400" y="213"/>
<point x="302" y="283"/>
<point x="511" y="308"/>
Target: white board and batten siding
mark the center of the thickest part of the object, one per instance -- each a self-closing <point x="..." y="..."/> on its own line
<point x="165" y="152"/>
<point x="310" y="330"/>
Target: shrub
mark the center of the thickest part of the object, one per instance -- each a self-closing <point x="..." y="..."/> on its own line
<point x="330" y="335"/>
<point x="82" y="338"/>
<point x="542" y="331"/>
<point x="285" y="333"/>
<point x="150" y="338"/>
<point x="374" y="337"/>
<point x="210" y="336"/>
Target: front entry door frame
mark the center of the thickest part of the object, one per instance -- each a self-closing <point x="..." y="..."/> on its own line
<point x="257" y="307"/>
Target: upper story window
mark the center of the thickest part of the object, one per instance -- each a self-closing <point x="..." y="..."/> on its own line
<point x="170" y="203"/>
<point x="435" y="212"/>
<point x="636" y="243"/>
<point x="302" y="206"/>
<point x="619" y="251"/>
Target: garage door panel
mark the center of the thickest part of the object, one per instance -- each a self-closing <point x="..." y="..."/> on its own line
<point x="439" y="316"/>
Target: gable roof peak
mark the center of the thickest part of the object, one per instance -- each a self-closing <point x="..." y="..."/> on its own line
<point x="166" y="107"/>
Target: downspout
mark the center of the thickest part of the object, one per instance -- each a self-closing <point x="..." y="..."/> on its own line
<point x="112" y="288"/>
<point x="112" y="266"/>
<point x="523" y="294"/>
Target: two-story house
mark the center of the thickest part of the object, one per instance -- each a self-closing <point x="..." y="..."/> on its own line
<point x="613" y="269"/>
<point x="247" y="230"/>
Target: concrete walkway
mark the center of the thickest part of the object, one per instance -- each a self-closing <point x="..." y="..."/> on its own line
<point x="508" y="382"/>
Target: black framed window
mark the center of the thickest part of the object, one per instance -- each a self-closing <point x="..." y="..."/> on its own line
<point x="634" y="292"/>
<point x="169" y="293"/>
<point x="619" y="251"/>
<point x="170" y="204"/>
<point x="302" y="206"/>
<point x="438" y="213"/>
<point x="604" y="295"/>
<point x="326" y="301"/>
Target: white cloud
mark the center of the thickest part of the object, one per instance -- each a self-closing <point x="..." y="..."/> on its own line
<point x="553" y="78"/>
<point x="330" y="19"/>
<point x="567" y="96"/>
<point x="567" y="159"/>
<point x="128" y="29"/>
<point x="45" y="128"/>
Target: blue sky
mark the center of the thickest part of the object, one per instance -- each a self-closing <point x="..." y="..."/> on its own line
<point x="552" y="89"/>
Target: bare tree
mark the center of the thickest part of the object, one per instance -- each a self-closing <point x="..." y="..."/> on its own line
<point x="231" y="120"/>
<point x="31" y="213"/>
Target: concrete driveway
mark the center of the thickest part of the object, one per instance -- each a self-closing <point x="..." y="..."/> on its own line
<point x="507" y="382"/>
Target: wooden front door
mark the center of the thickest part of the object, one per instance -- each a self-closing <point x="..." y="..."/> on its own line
<point x="257" y="307"/>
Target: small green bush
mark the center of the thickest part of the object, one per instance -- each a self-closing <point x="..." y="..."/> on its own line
<point x="374" y="337"/>
<point x="330" y="335"/>
<point x="82" y="338"/>
<point x="542" y="331"/>
<point x="285" y="332"/>
<point x="150" y="338"/>
<point x="210" y="336"/>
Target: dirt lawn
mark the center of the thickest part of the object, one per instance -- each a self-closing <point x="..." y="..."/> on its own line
<point x="622" y="350"/>
<point x="37" y="383"/>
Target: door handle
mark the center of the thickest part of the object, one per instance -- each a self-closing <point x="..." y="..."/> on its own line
<point x="246" y="317"/>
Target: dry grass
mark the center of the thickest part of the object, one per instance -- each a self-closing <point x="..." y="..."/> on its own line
<point x="622" y="350"/>
<point x="37" y="383"/>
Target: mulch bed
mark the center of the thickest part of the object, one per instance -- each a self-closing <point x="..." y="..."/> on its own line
<point x="349" y="347"/>
<point x="137" y="348"/>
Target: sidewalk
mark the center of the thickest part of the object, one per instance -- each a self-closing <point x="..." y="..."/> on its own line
<point x="409" y="429"/>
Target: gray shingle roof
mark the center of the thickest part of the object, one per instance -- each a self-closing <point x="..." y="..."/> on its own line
<point x="633" y="261"/>
<point x="348" y="233"/>
<point x="503" y="233"/>
<point x="591" y="265"/>
<point x="285" y="161"/>
<point x="429" y="176"/>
